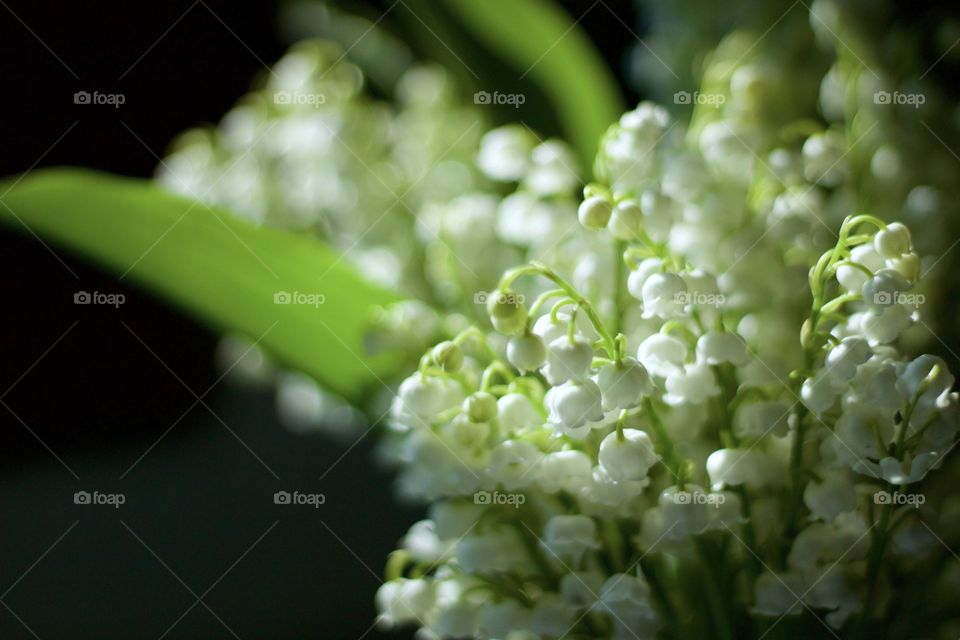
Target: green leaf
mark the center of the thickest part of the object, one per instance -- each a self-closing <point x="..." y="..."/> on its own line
<point x="220" y="268"/>
<point x="543" y="43"/>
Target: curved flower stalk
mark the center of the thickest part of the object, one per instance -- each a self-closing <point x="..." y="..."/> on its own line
<point x="689" y="449"/>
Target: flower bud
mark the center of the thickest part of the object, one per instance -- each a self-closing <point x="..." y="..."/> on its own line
<point x="526" y="352"/>
<point x="568" y="360"/>
<point x="448" y="356"/>
<point x="626" y="221"/>
<point x="480" y="407"/>
<point x="594" y="213"/>
<point x="893" y="241"/>
<point x="507" y="313"/>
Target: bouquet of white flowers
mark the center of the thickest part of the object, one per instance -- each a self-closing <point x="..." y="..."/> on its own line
<point x="719" y="435"/>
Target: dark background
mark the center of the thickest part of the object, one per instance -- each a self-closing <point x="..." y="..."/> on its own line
<point x="87" y="390"/>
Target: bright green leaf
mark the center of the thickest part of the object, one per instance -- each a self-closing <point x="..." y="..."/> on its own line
<point x="543" y="43"/>
<point x="222" y="269"/>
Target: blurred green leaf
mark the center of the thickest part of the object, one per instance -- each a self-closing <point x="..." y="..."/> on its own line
<point x="220" y="268"/>
<point x="543" y="43"/>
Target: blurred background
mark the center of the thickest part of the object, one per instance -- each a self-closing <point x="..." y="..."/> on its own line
<point x="128" y="400"/>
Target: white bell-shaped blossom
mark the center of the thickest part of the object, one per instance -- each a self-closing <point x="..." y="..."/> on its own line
<point x="423" y="543"/>
<point x="758" y="419"/>
<point x="505" y="153"/>
<point x="843" y="359"/>
<point x="551" y="617"/>
<point x="694" y="384"/>
<point x="624" y="384"/>
<point x="564" y="471"/>
<point x="884" y="325"/>
<point x="662" y="354"/>
<point x="568" y="359"/>
<point x="403" y="601"/>
<point x="512" y="461"/>
<point x="719" y="347"/>
<point x="627" y="457"/>
<point x="627" y="600"/>
<point x="639" y="276"/>
<point x="819" y="393"/>
<point x="830" y="496"/>
<point x="664" y="295"/>
<point x="499" y="619"/>
<point x="568" y="537"/>
<point x="626" y="220"/>
<point x="884" y="289"/>
<point x="526" y="352"/>
<point x="685" y="511"/>
<point x="853" y="279"/>
<point x="553" y="169"/>
<point x="516" y="412"/>
<point x="735" y="467"/>
<point x="573" y="404"/>
<point x="492" y="551"/>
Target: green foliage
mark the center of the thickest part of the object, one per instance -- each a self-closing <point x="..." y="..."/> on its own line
<point x="223" y="270"/>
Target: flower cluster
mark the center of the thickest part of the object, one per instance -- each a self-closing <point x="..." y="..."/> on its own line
<point x="688" y="430"/>
<point x="419" y="192"/>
